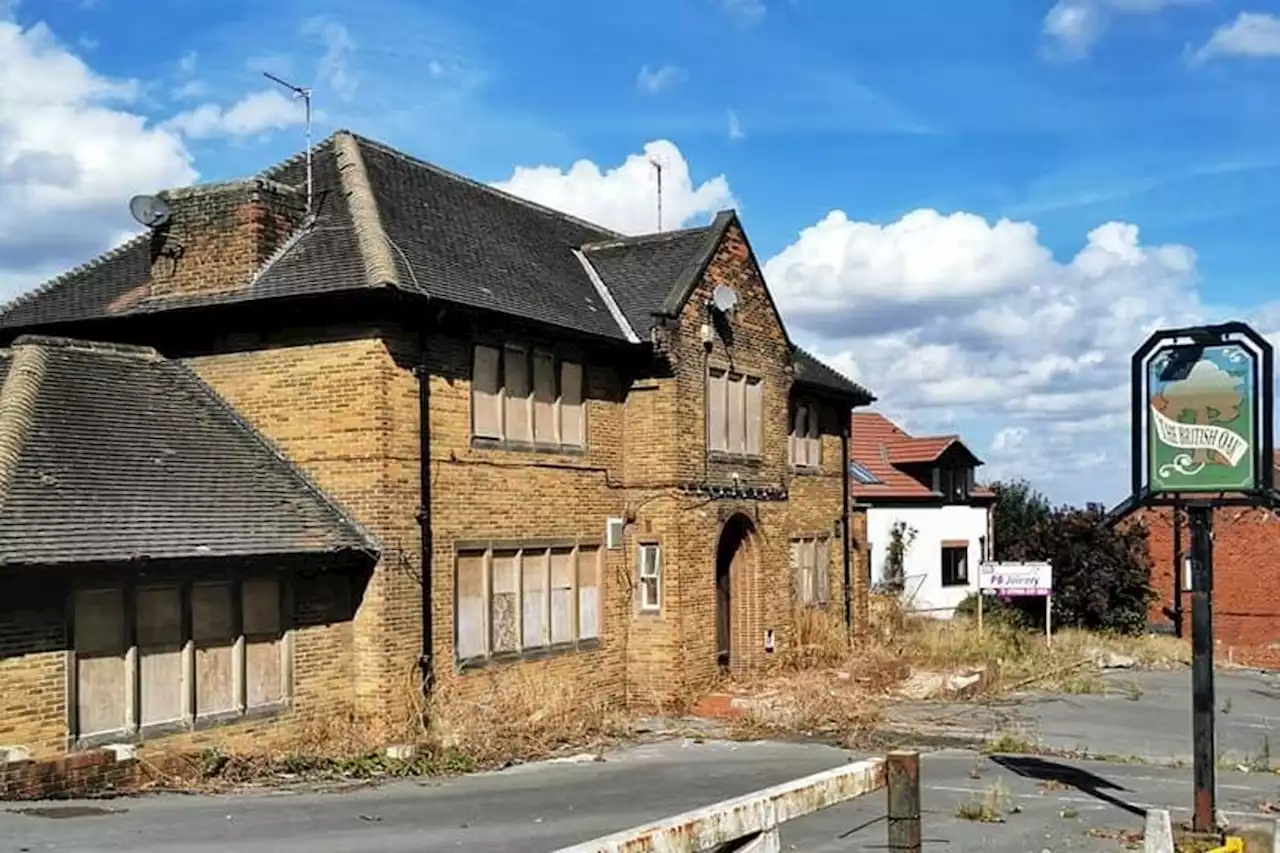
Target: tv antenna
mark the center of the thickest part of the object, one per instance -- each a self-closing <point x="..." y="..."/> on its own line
<point x="305" y="94"/>
<point x="657" y="167"/>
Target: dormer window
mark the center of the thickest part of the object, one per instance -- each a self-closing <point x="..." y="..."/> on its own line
<point x="955" y="483"/>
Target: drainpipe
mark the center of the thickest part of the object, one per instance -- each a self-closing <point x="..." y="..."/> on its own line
<point x="425" y="663"/>
<point x="844" y="521"/>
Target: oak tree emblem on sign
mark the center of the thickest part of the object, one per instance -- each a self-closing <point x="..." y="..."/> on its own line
<point x="1202" y="422"/>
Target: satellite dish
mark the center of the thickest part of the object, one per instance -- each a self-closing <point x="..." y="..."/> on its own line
<point x="149" y="210"/>
<point x="724" y="299"/>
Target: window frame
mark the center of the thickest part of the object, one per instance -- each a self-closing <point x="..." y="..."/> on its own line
<point x="134" y="729"/>
<point x="811" y="579"/>
<point x="949" y="577"/>
<point x="751" y="430"/>
<point x="561" y="363"/>
<point x="547" y="548"/>
<point x="643" y="604"/>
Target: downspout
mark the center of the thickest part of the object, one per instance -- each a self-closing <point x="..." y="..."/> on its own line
<point x="425" y="662"/>
<point x="844" y="522"/>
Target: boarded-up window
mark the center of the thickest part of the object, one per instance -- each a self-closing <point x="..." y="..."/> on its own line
<point x="717" y="411"/>
<point x="515" y="372"/>
<point x="809" y="565"/>
<point x="470" y="630"/>
<point x="544" y="399"/>
<point x="213" y="632"/>
<point x="505" y="603"/>
<point x="142" y="662"/>
<point x="536" y="603"/>
<point x="649" y="576"/>
<point x="486" y="396"/>
<point x="805" y="439"/>
<point x="160" y="643"/>
<point x="588" y="593"/>
<point x="562" y="603"/>
<point x="526" y="600"/>
<point x="263" y="637"/>
<point x="101" y="679"/>
<point x="735" y="413"/>
<point x="755" y="415"/>
<point x="573" y="422"/>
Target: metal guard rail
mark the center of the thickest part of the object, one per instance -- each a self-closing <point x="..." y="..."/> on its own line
<point x="751" y="823"/>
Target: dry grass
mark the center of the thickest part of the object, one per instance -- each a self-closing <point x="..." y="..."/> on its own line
<point x="821" y="683"/>
<point x="520" y="713"/>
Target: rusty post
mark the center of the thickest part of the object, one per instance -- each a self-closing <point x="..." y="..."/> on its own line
<point x="903" y="777"/>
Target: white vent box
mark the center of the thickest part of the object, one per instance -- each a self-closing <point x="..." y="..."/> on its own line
<point x="613" y="533"/>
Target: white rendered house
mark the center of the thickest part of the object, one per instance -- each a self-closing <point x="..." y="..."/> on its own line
<point x="923" y="503"/>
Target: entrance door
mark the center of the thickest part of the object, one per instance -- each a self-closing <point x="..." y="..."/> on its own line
<point x="731" y="554"/>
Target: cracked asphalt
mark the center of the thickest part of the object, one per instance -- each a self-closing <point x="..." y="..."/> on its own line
<point x="1045" y="803"/>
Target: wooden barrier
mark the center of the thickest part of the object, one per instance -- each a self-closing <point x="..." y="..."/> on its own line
<point x="751" y="823"/>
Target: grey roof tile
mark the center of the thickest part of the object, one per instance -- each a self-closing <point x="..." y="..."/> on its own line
<point x="125" y="455"/>
<point x="811" y="371"/>
<point x="641" y="272"/>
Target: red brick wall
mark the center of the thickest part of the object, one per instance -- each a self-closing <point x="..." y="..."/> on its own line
<point x="1246" y="591"/>
<point x="74" y="776"/>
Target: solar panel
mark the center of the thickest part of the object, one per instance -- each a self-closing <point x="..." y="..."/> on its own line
<point x="862" y="475"/>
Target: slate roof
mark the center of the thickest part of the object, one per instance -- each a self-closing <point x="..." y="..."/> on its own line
<point x="384" y="219"/>
<point x="810" y="371"/>
<point x="879" y="446"/>
<point x="111" y="453"/>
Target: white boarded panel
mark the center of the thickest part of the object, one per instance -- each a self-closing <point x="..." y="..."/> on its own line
<point x="544" y="398"/>
<point x="573" y="413"/>
<point x="486" y="381"/>
<point x="737" y="414"/>
<point x="755" y="415"/>
<point x="536" y="626"/>
<point x="588" y="593"/>
<point x="797" y="571"/>
<point x="101" y="684"/>
<point x="717" y="428"/>
<point x="159" y="621"/>
<point x="562" y="577"/>
<point x="470" y="631"/>
<point x="264" y="683"/>
<point x="824" y="571"/>
<point x="505" y="616"/>
<point x="515" y="373"/>
<point x="213" y="628"/>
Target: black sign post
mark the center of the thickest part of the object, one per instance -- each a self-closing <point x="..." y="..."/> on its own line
<point x="1202" y="438"/>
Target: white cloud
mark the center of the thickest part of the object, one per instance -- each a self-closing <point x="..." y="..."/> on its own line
<point x="651" y="81"/>
<point x="956" y="317"/>
<point x="73" y="149"/>
<point x="1251" y="34"/>
<point x="624" y="198"/>
<point x="735" y="126"/>
<point x="743" y="11"/>
<point x="334" y="66"/>
<point x="1074" y="25"/>
<point x="267" y="109"/>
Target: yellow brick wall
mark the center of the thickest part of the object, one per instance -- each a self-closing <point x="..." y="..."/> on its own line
<point x="33" y="699"/>
<point x="336" y="409"/>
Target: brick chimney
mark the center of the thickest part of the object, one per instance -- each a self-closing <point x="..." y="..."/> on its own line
<point x="218" y="235"/>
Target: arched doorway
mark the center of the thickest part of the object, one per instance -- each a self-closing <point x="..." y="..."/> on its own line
<point x="734" y="553"/>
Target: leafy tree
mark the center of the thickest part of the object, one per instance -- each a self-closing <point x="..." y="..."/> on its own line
<point x="1101" y="574"/>
<point x="1019" y="511"/>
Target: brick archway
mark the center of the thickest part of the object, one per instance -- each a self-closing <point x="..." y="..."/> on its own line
<point x="736" y="556"/>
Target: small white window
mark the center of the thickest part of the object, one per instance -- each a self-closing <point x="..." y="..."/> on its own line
<point x="649" y="560"/>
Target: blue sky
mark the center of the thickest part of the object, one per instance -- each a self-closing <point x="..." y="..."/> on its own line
<point x="923" y="124"/>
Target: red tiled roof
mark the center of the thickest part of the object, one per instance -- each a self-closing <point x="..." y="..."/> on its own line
<point x="879" y="445"/>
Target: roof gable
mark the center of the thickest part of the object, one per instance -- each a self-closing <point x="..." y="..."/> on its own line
<point x="116" y="454"/>
<point x="880" y="447"/>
